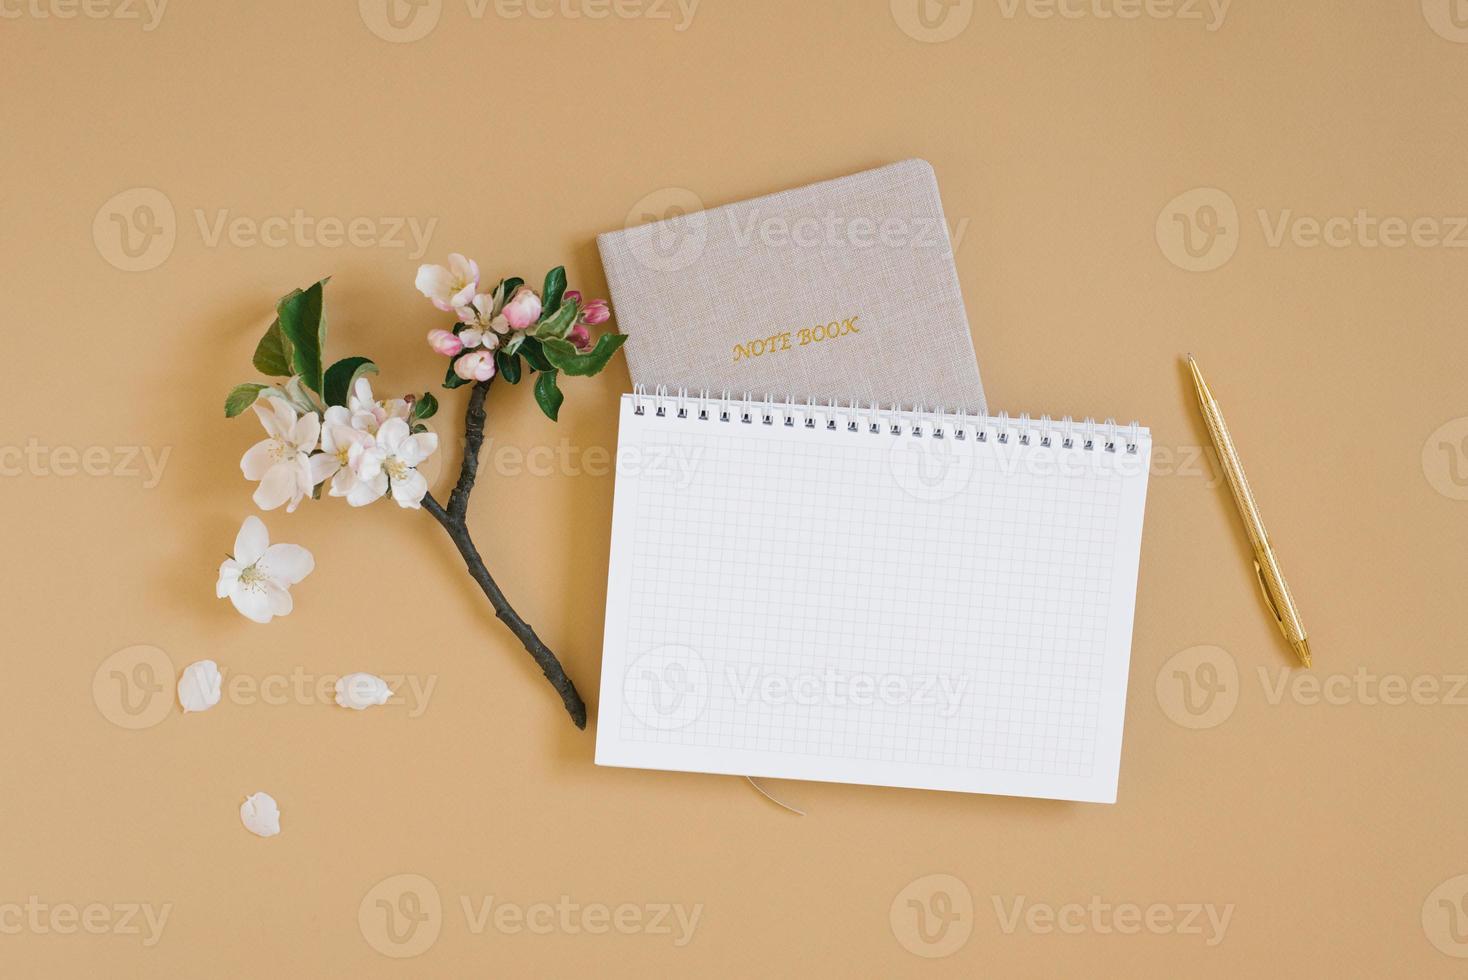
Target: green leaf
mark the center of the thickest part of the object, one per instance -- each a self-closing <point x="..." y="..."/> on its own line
<point x="342" y="376"/>
<point x="510" y="285"/>
<point x="547" y="395"/>
<point x="514" y="343"/>
<point x="555" y="288"/>
<point x="508" y="365"/>
<point x="558" y="324"/>
<point x="535" y="355"/>
<point x="240" y="398"/>
<point x="273" y="353"/>
<point x="303" y="322"/>
<point x="426" y="407"/>
<point x="565" y="357"/>
<point x="452" y="380"/>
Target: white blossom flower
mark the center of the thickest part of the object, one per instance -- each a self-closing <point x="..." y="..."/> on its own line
<point x="343" y="427"/>
<point x="449" y="287"/>
<point x="353" y="446"/>
<point x="360" y="691"/>
<point x="368" y="414"/>
<point x="199" y="687"/>
<point x="390" y="462"/>
<point x="483" y="320"/>
<point x="261" y="815"/>
<point x="334" y="449"/>
<point x="283" y="463"/>
<point x="258" y="577"/>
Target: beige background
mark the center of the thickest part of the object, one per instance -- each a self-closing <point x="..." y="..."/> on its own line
<point x="1332" y="825"/>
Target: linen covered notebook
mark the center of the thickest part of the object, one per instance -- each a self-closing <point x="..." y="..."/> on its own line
<point x="842" y="289"/>
<point x="846" y="593"/>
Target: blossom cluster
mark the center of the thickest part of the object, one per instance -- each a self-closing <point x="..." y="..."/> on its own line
<point x="367" y="448"/>
<point x="504" y="318"/>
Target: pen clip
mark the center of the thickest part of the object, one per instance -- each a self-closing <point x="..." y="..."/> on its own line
<point x="1268" y="596"/>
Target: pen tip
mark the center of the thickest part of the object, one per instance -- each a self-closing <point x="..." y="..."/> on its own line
<point x="1302" y="650"/>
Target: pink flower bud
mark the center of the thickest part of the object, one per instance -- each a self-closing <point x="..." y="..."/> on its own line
<point x="597" y="311"/>
<point x="572" y="296"/>
<point x="579" y="336"/>
<point x="523" y="309"/>
<point x="444" y="342"/>
<point x="475" y="366"/>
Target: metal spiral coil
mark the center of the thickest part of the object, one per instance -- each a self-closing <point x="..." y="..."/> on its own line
<point x="1086" y="435"/>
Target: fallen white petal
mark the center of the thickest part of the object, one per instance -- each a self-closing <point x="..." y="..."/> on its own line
<point x="358" y="691"/>
<point x="261" y="815"/>
<point x="198" y="688"/>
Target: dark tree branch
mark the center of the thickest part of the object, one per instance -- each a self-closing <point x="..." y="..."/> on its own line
<point x="453" y="520"/>
<point x="473" y="440"/>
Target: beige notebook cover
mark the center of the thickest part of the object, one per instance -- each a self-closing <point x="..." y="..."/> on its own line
<point x="844" y="289"/>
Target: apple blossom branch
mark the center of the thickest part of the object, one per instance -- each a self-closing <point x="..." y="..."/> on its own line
<point x="454" y="521"/>
<point x="323" y="422"/>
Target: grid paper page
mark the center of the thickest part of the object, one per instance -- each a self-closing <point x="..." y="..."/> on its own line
<point x="894" y="609"/>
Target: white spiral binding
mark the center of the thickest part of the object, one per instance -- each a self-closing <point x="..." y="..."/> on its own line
<point x="1087" y="434"/>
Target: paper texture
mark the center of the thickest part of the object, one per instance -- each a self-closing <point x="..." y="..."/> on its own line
<point x="844" y="289"/>
<point x="811" y="599"/>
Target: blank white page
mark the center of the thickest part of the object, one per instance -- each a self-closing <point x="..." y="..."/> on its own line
<point x="942" y="603"/>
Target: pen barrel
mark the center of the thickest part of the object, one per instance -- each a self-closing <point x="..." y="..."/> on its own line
<point x="1233" y="472"/>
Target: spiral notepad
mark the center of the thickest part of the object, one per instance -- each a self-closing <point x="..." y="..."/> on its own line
<point x="871" y="595"/>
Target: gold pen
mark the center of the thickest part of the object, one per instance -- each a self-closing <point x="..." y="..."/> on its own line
<point x="1271" y="581"/>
